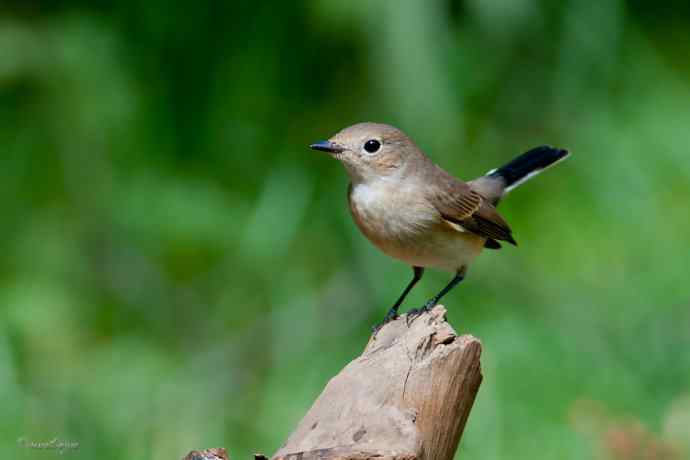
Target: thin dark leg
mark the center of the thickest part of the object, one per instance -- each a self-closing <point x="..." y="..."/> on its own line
<point x="418" y="272"/>
<point x="414" y="313"/>
<point x="435" y="299"/>
<point x="393" y="312"/>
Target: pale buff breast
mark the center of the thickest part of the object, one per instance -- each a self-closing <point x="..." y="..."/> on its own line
<point x="405" y="226"/>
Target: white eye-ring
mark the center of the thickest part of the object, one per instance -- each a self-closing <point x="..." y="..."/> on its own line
<point x="372" y="146"/>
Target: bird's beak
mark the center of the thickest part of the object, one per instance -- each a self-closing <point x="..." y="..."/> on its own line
<point x="327" y="146"/>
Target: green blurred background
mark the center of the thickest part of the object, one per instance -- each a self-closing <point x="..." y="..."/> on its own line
<point x="179" y="271"/>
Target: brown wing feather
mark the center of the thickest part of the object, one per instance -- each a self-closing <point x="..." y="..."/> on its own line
<point x="457" y="201"/>
<point x="459" y="204"/>
<point x="488" y="222"/>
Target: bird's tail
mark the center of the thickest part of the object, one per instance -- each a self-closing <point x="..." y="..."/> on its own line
<point x="519" y="170"/>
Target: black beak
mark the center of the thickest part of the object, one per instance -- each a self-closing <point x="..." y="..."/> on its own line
<point x="327" y="146"/>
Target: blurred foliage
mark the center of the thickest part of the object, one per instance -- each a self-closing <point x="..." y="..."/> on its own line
<point x="180" y="272"/>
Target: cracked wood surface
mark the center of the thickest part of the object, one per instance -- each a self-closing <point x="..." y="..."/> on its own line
<point x="216" y="453"/>
<point x="406" y="397"/>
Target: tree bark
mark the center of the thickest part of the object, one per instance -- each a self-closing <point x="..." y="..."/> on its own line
<point x="407" y="397"/>
<point x="216" y="453"/>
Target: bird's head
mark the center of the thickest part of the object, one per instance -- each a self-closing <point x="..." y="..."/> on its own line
<point x="370" y="150"/>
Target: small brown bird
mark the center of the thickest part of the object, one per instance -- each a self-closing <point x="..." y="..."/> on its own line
<point x="414" y="211"/>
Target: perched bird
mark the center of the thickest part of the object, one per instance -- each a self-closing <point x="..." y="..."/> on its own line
<point x="416" y="212"/>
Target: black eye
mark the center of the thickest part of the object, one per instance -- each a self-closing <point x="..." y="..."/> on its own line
<point x="372" y="146"/>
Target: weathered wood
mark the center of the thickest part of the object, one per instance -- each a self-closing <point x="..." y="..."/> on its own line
<point x="406" y="397"/>
<point x="216" y="453"/>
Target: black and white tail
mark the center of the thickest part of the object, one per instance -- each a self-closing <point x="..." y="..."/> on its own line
<point x="527" y="165"/>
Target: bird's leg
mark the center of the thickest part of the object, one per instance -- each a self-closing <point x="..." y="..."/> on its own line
<point x="393" y="312"/>
<point x="435" y="299"/>
<point x="431" y="303"/>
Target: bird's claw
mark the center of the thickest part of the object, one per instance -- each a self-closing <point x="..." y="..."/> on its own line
<point x="392" y="315"/>
<point x="417" y="312"/>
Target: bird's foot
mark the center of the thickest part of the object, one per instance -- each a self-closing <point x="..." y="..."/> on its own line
<point x="417" y="312"/>
<point x="392" y="315"/>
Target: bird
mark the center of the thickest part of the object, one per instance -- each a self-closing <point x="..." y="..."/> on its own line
<point x="416" y="212"/>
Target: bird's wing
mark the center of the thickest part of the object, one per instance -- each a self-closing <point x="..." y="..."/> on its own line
<point x="462" y="206"/>
<point x="489" y="223"/>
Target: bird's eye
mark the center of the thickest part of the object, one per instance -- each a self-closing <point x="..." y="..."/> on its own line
<point x="372" y="145"/>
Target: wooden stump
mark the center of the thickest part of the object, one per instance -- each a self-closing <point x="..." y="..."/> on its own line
<point x="406" y="397"/>
<point x="216" y="453"/>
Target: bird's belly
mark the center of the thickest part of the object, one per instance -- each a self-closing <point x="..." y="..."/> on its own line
<point x="414" y="233"/>
<point x="443" y="250"/>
